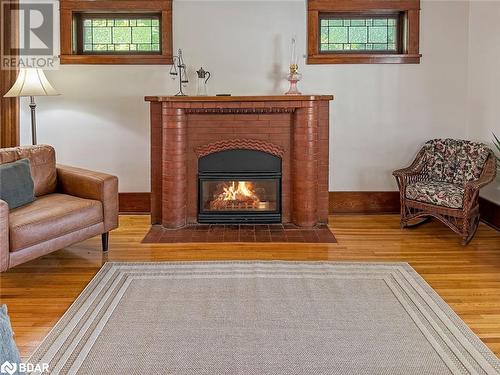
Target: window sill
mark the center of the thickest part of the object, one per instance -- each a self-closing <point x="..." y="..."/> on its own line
<point x="363" y="58"/>
<point x="117" y="59"/>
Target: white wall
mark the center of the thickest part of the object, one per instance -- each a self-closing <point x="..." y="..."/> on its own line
<point x="484" y="79"/>
<point x="380" y="117"/>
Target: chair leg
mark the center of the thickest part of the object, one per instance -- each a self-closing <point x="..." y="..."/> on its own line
<point x="470" y="229"/>
<point x="403" y="222"/>
<point x="105" y="241"/>
<point x="417" y="222"/>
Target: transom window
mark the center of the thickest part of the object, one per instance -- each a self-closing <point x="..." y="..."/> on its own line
<point x="116" y="31"/>
<point x="363" y="31"/>
<point x="340" y="33"/>
<point x="120" y="33"/>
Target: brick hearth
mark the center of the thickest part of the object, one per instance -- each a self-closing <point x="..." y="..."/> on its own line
<point x="183" y="129"/>
<point x="240" y="233"/>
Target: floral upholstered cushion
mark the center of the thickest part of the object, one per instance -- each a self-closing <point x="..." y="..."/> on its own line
<point x="455" y="161"/>
<point x="438" y="193"/>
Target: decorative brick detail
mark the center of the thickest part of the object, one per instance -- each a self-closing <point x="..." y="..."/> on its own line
<point x="243" y="144"/>
<point x="239" y="110"/>
<point x="305" y="167"/>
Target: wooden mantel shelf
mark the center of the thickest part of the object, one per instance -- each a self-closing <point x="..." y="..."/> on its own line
<point x="261" y="98"/>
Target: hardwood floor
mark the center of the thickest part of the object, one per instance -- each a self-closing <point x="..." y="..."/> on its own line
<point x="468" y="278"/>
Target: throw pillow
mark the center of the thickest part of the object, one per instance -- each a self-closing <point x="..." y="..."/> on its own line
<point x="9" y="355"/>
<point x="16" y="184"/>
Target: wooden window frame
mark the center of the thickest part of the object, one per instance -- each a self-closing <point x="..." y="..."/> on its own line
<point x="81" y="17"/>
<point x="9" y="107"/>
<point x="409" y="24"/>
<point x="71" y="9"/>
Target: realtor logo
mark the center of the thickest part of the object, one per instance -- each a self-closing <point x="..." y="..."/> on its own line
<point x="11" y="368"/>
<point x="8" y="368"/>
<point x="28" y="34"/>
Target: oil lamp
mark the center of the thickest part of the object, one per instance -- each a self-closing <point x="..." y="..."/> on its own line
<point x="293" y="76"/>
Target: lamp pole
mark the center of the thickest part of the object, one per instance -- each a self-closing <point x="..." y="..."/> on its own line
<point x="33" y="119"/>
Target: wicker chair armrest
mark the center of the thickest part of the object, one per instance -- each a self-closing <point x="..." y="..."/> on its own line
<point x="407" y="172"/>
<point x="487" y="176"/>
<point x="414" y="169"/>
<point x="477" y="184"/>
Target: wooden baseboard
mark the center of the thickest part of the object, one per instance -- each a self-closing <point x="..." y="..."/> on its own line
<point x="340" y="202"/>
<point x="134" y="203"/>
<point x="364" y="202"/>
<point x="490" y="213"/>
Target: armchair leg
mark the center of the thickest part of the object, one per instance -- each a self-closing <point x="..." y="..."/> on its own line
<point x="470" y="229"/>
<point x="105" y="241"/>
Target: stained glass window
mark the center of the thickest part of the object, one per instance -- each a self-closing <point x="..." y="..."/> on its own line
<point x="341" y="34"/>
<point x="121" y="34"/>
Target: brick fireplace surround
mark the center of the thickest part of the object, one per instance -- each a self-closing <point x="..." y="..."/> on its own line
<point x="183" y="129"/>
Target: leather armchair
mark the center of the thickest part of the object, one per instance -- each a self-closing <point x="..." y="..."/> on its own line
<point x="72" y="205"/>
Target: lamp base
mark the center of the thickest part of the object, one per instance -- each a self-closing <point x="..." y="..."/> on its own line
<point x="293" y="88"/>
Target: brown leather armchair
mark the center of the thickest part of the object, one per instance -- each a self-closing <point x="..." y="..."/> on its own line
<point x="71" y="205"/>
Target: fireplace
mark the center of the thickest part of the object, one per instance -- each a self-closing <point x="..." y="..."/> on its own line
<point x="239" y="186"/>
<point x="239" y="159"/>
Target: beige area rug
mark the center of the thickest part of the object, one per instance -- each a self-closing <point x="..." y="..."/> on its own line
<point x="257" y="318"/>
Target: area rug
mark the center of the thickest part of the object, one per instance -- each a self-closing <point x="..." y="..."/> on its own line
<point x="258" y="318"/>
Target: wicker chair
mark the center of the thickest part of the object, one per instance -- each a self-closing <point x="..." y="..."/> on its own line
<point x="443" y="182"/>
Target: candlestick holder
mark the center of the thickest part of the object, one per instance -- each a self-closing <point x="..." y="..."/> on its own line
<point x="294" y="77"/>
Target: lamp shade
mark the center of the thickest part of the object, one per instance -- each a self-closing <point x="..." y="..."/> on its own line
<point x="31" y="82"/>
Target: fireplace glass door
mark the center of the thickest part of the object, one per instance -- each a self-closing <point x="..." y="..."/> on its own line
<point x="235" y="195"/>
<point x="245" y="189"/>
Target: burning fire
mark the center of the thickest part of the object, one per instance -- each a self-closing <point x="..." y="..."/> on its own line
<point x="236" y="195"/>
<point x="239" y="192"/>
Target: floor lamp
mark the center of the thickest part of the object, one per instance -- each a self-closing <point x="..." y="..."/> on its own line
<point x="31" y="82"/>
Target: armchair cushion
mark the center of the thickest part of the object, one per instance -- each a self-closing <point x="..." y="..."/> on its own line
<point x="455" y="161"/>
<point x="437" y="193"/>
<point x="51" y="216"/>
<point x="42" y="162"/>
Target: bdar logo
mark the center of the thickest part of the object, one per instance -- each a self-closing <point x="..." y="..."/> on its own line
<point x="8" y="368"/>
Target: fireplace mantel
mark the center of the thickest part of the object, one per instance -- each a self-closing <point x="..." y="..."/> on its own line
<point x="183" y="128"/>
<point x="238" y="104"/>
<point x="238" y="99"/>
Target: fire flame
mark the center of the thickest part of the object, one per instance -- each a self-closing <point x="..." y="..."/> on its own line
<point x="234" y="192"/>
<point x="238" y="192"/>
